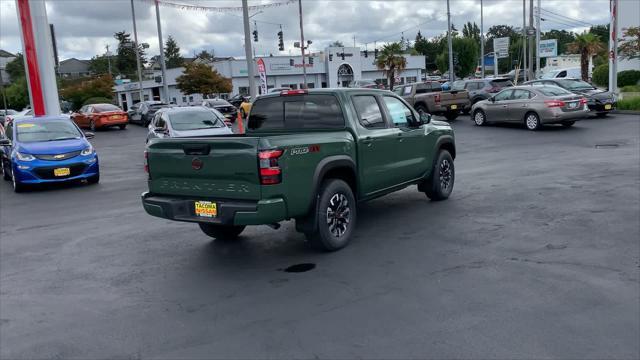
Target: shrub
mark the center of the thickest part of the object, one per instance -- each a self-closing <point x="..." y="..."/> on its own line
<point x="600" y="75"/>
<point x="629" y="104"/>
<point x="630" y="88"/>
<point x="628" y="77"/>
<point x="97" y="100"/>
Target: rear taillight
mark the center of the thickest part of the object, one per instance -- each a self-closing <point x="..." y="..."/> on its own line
<point x="493" y="89"/>
<point x="583" y="101"/>
<point x="146" y="161"/>
<point x="554" y="103"/>
<point x="270" y="172"/>
<point x="437" y="99"/>
<point x="293" y="92"/>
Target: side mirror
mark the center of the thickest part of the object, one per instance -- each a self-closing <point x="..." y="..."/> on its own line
<point x="89" y="135"/>
<point x="425" y="118"/>
<point x="493" y="99"/>
<point x="5" y="142"/>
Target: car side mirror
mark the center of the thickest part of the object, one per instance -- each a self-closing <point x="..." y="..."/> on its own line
<point x="493" y="99"/>
<point x="425" y="118"/>
<point x="5" y="142"/>
<point x="89" y="135"/>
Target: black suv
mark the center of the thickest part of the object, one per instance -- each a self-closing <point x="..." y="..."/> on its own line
<point x="481" y="89"/>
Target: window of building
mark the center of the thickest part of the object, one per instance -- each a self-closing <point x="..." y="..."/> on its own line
<point x="369" y="113"/>
<point x="324" y="84"/>
<point x="243" y="90"/>
<point x="184" y="99"/>
<point x="190" y="99"/>
<point x="146" y="97"/>
<point x="173" y="100"/>
<point x="411" y="79"/>
<point x="311" y="86"/>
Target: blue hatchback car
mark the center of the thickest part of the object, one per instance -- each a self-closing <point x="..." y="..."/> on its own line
<point x="47" y="149"/>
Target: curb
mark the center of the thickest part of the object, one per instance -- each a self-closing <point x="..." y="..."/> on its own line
<point x="628" y="112"/>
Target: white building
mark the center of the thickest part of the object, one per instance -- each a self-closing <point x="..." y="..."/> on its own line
<point x="335" y="67"/>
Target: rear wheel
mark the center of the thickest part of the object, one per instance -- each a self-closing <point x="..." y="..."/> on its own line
<point x="568" y="124"/>
<point x="602" y="114"/>
<point x="335" y="216"/>
<point x="221" y="232"/>
<point x="532" y="121"/>
<point x="451" y="115"/>
<point x="440" y="184"/>
<point x="6" y="175"/>
<point x="479" y="118"/>
<point x="92" y="125"/>
<point x="122" y="126"/>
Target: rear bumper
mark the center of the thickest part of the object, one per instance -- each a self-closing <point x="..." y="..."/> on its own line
<point x="103" y="123"/>
<point x="229" y="212"/>
<point x="601" y="107"/>
<point x="555" y="115"/>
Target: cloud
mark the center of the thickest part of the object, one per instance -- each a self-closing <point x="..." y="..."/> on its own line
<point x="84" y="27"/>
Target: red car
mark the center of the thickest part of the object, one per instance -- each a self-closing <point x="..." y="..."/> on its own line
<point x="97" y="116"/>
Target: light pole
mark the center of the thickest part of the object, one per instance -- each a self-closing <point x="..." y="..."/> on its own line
<point x="247" y="50"/>
<point x="450" y="45"/>
<point x="481" y="40"/>
<point x="304" y="69"/>
<point x="135" y="39"/>
<point x="524" y="40"/>
<point x="108" y="58"/>
<point x="529" y="38"/>
<point x="537" y="41"/>
<point x="163" y="66"/>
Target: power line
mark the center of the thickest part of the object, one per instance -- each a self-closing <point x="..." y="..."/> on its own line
<point x="401" y="32"/>
<point x="562" y="21"/>
<point x="566" y="17"/>
<point x="571" y="26"/>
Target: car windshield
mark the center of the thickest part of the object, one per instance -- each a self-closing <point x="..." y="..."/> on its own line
<point x="458" y="85"/>
<point x="553" y="91"/>
<point x="47" y="131"/>
<point x="157" y="106"/>
<point x="575" y="84"/>
<point x="105" y="107"/>
<point x="195" y="120"/>
<point x="550" y="74"/>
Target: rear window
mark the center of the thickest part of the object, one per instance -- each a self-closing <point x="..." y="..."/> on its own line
<point x="501" y="83"/>
<point x="296" y="112"/>
<point x="458" y="85"/>
<point x="157" y="106"/>
<point x="553" y="91"/>
<point x="105" y="107"/>
<point x="195" y="120"/>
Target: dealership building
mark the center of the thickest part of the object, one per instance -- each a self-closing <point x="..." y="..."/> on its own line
<point x="334" y="67"/>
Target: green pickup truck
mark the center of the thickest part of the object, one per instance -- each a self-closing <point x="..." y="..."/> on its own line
<point x="306" y="155"/>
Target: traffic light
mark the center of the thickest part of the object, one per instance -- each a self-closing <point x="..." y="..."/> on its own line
<point x="291" y="62"/>
<point x="366" y="53"/>
<point x="330" y="57"/>
<point x="342" y="54"/>
<point x="280" y="41"/>
<point x="255" y="35"/>
<point x="310" y="61"/>
<point x="375" y="53"/>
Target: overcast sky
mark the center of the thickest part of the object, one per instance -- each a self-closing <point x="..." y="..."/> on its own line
<point x="84" y="27"/>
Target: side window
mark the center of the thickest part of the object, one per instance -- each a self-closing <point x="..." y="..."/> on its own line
<point x="89" y="109"/>
<point x="401" y="115"/>
<point x="520" y="94"/>
<point x="9" y="131"/>
<point x="368" y="110"/>
<point x="160" y="122"/>
<point x="406" y="91"/>
<point x="398" y="90"/>
<point x="562" y="74"/>
<point x="504" y="95"/>
<point x="435" y="86"/>
<point x="423" y="88"/>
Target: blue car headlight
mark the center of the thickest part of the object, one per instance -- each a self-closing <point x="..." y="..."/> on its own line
<point x="88" y="151"/>
<point x="24" y="157"/>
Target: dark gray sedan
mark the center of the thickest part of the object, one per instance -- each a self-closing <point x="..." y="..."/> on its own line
<point x="187" y="121"/>
<point x="533" y="106"/>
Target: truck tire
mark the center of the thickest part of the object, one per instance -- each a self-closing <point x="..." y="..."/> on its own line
<point x="450" y="115"/>
<point x="421" y="109"/>
<point x="222" y="232"/>
<point x="440" y="184"/>
<point x="335" y="214"/>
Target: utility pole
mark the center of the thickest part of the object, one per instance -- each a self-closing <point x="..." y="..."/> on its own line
<point x="613" y="47"/>
<point x="537" y="72"/>
<point x="108" y="58"/>
<point x="530" y="38"/>
<point x="481" y="40"/>
<point x="247" y="50"/>
<point x="135" y="39"/>
<point x="163" y="66"/>
<point x="450" y="45"/>
<point x="4" y="94"/>
<point x="524" y="39"/>
<point x="304" y="69"/>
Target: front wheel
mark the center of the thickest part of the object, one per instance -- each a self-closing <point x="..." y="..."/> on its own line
<point x="335" y="216"/>
<point x="92" y="125"/>
<point x="451" y="115"/>
<point x="532" y="121"/>
<point x="440" y="184"/>
<point x="93" y="179"/>
<point x="601" y="114"/>
<point x="221" y="232"/>
<point x="6" y="175"/>
<point x="421" y="109"/>
<point x="479" y="118"/>
<point x="17" y="185"/>
<point x="568" y="124"/>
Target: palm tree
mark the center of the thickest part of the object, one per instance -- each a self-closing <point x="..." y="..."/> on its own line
<point x="587" y="45"/>
<point x="391" y="61"/>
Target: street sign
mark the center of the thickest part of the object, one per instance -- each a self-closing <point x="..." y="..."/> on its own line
<point x="531" y="31"/>
<point x="548" y="48"/>
<point x="501" y="47"/>
<point x="262" y="71"/>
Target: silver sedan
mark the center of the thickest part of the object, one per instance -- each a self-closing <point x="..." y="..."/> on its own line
<point x="187" y="122"/>
<point x="534" y="106"/>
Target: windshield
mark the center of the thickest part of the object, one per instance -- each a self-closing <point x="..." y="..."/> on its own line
<point x="105" y="107"/>
<point x="550" y="74"/>
<point x="553" y="91"/>
<point x="575" y="84"/>
<point x="195" y="120"/>
<point x="157" y="106"/>
<point x="458" y="85"/>
<point x="47" y="131"/>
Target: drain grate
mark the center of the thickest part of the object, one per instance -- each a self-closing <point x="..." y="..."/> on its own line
<point x="298" y="268"/>
<point x="607" y="146"/>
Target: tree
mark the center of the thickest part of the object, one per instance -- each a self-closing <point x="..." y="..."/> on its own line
<point x="172" y="55"/>
<point x="430" y="49"/>
<point x="126" y="58"/>
<point x="563" y="37"/>
<point x="99" y="64"/>
<point x="15" y="68"/>
<point x="17" y="94"/>
<point x="336" y="43"/>
<point x="499" y="31"/>
<point x="629" y="47"/>
<point x="390" y="60"/>
<point x="466" y="53"/>
<point x="602" y="31"/>
<point x="202" y="79"/>
<point x="205" y="55"/>
<point x="586" y="44"/>
<point x="471" y="31"/>
<point x="77" y="92"/>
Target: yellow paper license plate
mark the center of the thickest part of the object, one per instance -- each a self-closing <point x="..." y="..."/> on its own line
<point x="453" y="107"/>
<point x="607" y="106"/>
<point x="206" y="209"/>
<point x="62" y="172"/>
<point x="114" y="117"/>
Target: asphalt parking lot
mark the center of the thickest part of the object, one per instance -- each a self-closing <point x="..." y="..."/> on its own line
<point x="535" y="255"/>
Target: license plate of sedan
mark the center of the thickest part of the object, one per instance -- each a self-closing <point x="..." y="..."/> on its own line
<point x="573" y="105"/>
<point x="114" y="117"/>
<point x="607" y="106"/>
<point x="62" y="172"/>
<point x="453" y="107"/>
<point x="206" y="209"/>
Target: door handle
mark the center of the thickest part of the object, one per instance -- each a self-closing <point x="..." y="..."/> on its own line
<point x="367" y="141"/>
<point x="504" y="106"/>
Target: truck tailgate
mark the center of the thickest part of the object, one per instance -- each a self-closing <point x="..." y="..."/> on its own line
<point x="223" y="167"/>
<point x="454" y="97"/>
